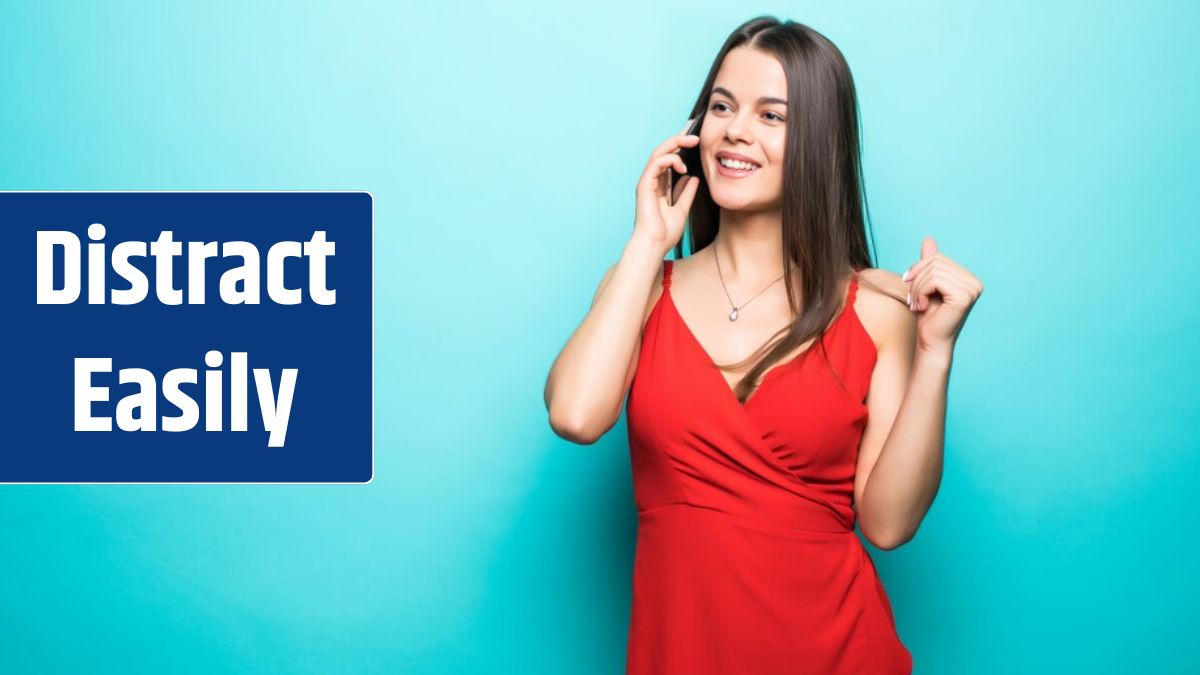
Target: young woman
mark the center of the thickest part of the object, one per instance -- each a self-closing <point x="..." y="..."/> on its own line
<point x="785" y="390"/>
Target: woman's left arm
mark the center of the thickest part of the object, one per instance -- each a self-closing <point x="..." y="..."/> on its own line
<point x="900" y="478"/>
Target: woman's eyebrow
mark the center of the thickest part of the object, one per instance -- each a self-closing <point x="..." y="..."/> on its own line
<point x="762" y="99"/>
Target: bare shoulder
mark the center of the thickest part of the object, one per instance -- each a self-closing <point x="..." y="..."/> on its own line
<point x="882" y="306"/>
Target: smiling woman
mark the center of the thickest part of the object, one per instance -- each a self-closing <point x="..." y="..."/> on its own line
<point x="755" y="430"/>
<point x="747" y="561"/>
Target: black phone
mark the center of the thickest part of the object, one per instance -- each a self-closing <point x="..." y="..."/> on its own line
<point x="691" y="159"/>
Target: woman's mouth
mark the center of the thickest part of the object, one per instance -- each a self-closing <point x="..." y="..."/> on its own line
<point x="732" y="168"/>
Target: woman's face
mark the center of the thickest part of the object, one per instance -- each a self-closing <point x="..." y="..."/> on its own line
<point x="746" y="116"/>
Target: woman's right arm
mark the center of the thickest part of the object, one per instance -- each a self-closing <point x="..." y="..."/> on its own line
<point x="591" y="375"/>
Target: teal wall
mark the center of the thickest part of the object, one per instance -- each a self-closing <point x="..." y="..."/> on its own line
<point x="1051" y="148"/>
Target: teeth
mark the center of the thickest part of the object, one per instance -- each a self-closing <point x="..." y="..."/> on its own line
<point x="735" y="164"/>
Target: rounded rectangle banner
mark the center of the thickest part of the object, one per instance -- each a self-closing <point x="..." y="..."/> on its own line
<point x="187" y="337"/>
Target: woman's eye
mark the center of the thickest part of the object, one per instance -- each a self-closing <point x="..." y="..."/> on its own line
<point x="721" y="106"/>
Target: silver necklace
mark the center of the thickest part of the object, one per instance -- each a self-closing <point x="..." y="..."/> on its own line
<point x="733" y="315"/>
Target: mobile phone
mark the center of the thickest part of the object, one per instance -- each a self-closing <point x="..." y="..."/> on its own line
<point x="691" y="159"/>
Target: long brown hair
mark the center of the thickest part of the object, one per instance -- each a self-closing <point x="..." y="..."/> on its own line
<point x="824" y="207"/>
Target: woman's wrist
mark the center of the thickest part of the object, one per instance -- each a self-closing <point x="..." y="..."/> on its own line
<point x="641" y="246"/>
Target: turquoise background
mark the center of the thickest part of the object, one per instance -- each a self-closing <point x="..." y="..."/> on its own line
<point x="1051" y="148"/>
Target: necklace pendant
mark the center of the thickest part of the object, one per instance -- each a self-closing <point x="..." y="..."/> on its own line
<point x="733" y="314"/>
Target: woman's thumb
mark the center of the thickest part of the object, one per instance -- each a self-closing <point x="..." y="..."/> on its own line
<point x="689" y="193"/>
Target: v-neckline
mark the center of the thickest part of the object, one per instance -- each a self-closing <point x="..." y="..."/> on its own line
<point x="712" y="364"/>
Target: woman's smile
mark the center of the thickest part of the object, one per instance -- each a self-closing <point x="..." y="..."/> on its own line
<point x="741" y="170"/>
<point x="732" y="165"/>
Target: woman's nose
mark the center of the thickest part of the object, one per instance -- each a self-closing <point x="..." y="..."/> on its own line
<point x="736" y="130"/>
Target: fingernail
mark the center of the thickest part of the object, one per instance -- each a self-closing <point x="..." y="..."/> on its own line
<point x="909" y="301"/>
<point x="905" y="277"/>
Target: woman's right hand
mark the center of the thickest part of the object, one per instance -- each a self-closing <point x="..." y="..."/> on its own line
<point x="657" y="221"/>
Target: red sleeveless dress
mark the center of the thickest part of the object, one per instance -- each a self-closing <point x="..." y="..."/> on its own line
<point x="746" y="561"/>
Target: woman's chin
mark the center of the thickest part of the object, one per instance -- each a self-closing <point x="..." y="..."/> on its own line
<point x="734" y="200"/>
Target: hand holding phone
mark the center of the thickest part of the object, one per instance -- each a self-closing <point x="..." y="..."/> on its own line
<point x="690" y="157"/>
<point x="663" y="203"/>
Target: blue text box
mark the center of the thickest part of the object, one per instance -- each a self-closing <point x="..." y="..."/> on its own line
<point x="325" y="338"/>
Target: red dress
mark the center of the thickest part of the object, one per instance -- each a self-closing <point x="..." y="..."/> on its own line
<point x="747" y="562"/>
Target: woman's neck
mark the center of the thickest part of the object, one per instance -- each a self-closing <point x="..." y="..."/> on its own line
<point x="750" y="246"/>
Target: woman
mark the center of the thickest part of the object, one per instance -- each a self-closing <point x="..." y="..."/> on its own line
<point x="751" y="473"/>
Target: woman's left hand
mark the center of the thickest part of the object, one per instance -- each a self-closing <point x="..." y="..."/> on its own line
<point x="942" y="292"/>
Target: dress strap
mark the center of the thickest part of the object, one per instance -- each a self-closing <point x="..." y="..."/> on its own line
<point x="667" y="264"/>
<point x="853" y="289"/>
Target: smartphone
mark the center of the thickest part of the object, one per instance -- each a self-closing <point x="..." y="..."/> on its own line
<point x="691" y="159"/>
